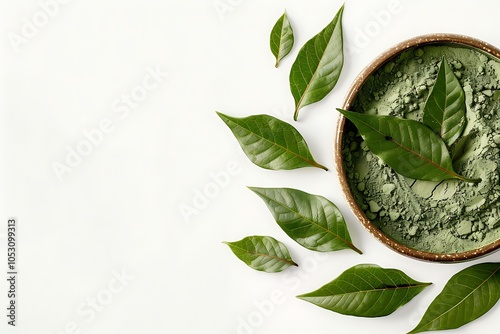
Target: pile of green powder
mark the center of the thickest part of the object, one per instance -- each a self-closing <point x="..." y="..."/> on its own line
<point x="447" y="217"/>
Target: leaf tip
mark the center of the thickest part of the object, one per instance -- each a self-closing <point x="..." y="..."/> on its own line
<point x="221" y="115"/>
<point x="254" y="189"/>
<point x="343" y="112"/>
<point x="341" y="10"/>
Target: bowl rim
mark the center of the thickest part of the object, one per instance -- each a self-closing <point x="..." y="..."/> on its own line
<point x="429" y="39"/>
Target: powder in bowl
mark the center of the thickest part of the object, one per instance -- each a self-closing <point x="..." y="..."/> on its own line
<point x="437" y="217"/>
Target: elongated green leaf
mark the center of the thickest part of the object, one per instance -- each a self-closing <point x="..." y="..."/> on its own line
<point x="281" y="38"/>
<point x="270" y="143"/>
<point x="444" y="111"/>
<point x="366" y="290"/>
<point x="318" y="65"/>
<point x="262" y="253"/>
<point x="312" y="221"/>
<point x="461" y="146"/>
<point x="467" y="296"/>
<point x="409" y="147"/>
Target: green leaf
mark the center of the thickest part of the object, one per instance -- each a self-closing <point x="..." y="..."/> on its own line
<point x="312" y="221"/>
<point x="366" y="290"/>
<point x="444" y="111"/>
<point x="318" y="65"/>
<point x="281" y="38"/>
<point x="271" y="143"/>
<point x="467" y="296"/>
<point x="461" y="146"/>
<point x="409" y="147"/>
<point x="262" y="253"/>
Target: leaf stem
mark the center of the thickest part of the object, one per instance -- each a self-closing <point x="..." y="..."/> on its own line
<point x="466" y="179"/>
<point x="354" y="248"/>
<point x="315" y="164"/>
<point x="296" y="113"/>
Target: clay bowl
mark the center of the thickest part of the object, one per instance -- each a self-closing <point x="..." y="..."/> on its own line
<point x="376" y="64"/>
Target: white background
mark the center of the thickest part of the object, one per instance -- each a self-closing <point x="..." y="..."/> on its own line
<point x="118" y="212"/>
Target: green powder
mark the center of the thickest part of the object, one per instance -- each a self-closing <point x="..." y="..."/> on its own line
<point x="446" y="217"/>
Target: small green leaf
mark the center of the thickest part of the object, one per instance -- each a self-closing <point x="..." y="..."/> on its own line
<point x="312" y="221"/>
<point x="262" y="253"/>
<point x="444" y="111"/>
<point x="271" y="143"/>
<point x="366" y="290"/>
<point x="318" y="65"/>
<point x="467" y="296"/>
<point x="281" y="38"/>
<point x="409" y="147"/>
